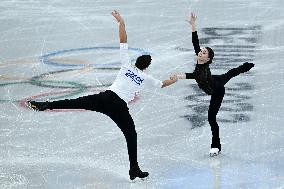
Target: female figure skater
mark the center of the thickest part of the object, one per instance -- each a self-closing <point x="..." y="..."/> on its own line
<point x="211" y="84"/>
<point x="113" y="102"/>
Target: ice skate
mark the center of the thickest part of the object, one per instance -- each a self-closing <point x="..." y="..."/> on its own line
<point x="38" y="106"/>
<point x="214" y="152"/>
<point x="136" y="172"/>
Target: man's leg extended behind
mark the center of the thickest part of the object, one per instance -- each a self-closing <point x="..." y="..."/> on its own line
<point x="91" y="102"/>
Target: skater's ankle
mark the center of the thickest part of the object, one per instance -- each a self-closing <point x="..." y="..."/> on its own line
<point x="216" y="146"/>
<point x="136" y="172"/>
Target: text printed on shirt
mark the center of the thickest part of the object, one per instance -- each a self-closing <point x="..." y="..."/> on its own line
<point x="134" y="77"/>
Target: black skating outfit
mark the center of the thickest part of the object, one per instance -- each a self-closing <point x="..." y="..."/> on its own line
<point x="213" y="85"/>
<point x="110" y="104"/>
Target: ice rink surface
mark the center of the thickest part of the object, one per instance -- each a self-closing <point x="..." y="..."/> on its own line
<point x="51" y="50"/>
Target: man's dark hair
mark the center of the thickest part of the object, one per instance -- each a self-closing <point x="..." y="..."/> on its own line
<point x="210" y="54"/>
<point x="142" y="62"/>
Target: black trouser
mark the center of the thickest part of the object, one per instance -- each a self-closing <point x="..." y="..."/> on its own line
<point x="111" y="105"/>
<point x="216" y="101"/>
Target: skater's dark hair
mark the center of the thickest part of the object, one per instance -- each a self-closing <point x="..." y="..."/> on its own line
<point x="210" y="54"/>
<point x="143" y="62"/>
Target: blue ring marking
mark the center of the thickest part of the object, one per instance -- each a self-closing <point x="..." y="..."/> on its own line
<point x="45" y="58"/>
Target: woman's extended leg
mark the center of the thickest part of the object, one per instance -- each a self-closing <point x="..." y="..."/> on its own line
<point x="235" y="71"/>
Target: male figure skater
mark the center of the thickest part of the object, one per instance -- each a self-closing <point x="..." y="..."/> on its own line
<point x="130" y="80"/>
<point x="213" y="85"/>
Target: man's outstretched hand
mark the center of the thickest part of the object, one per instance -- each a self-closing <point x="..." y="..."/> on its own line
<point x="117" y="16"/>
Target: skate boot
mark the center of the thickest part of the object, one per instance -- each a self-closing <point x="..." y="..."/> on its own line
<point x="214" y="152"/>
<point x="245" y="67"/>
<point x="215" y="147"/>
<point x="38" y="106"/>
<point x="136" y="172"/>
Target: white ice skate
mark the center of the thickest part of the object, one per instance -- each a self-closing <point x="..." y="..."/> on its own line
<point x="214" y="152"/>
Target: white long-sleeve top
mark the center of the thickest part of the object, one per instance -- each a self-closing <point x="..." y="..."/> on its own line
<point x="130" y="80"/>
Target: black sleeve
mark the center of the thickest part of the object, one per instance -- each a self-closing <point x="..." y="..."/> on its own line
<point x="190" y="75"/>
<point x="195" y="42"/>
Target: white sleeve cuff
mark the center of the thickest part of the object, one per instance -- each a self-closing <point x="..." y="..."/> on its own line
<point x="123" y="46"/>
<point x="181" y="76"/>
<point x="124" y="57"/>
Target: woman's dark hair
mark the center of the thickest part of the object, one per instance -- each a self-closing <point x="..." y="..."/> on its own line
<point x="142" y="62"/>
<point x="210" y="54"/>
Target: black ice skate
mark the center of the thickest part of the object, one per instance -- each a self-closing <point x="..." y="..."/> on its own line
<point x="38" y="106"/>
<point x="214" y="152"/>
<point x="136" y="172"/>
<point x="215" y="147"/>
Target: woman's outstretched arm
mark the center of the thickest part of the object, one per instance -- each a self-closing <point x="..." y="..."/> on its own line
<point x="195" y="40"/>
<point x="184" y="76"/>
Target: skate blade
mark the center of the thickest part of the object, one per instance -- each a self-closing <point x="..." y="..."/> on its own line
<point x="33" y="107"/>
<point x="137" y="179"/>
<point x="214" y="154"/>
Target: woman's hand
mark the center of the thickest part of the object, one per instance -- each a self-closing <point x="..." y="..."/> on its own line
<point x="174" y="77"/>
<point x="192" y="20"/>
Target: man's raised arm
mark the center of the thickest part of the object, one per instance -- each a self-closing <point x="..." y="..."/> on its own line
<point x="122" y="32"/>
